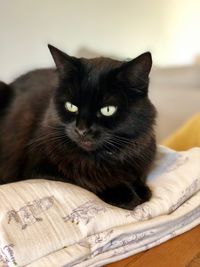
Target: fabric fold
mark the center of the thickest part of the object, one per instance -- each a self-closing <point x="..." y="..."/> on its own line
<point x="47" y="223"/>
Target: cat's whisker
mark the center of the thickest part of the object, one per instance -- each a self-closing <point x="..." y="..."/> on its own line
<point x="112" y="144"/>
<point x="121" y="143"/>
<point x="123" y="139"/>
<point x="125" y="145"/>
<point x="56" y="127"/>
<point x="118" y="142"/>
<point x="42" y="138"/>
<point x="47" y="139"/>
<point x="127" y="153"/>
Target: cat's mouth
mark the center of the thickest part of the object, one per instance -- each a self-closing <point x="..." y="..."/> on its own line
<point x="87" y="145"/>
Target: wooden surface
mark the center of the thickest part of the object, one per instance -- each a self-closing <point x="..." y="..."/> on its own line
<point x="182" y="251"/>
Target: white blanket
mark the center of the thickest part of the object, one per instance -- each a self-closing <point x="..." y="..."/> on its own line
<point x="46" y="223"/>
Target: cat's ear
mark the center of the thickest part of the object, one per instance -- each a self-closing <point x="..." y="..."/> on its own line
<point x="64" y="63"/>
<point x="137" y="71"/>
<point x="140" y="66"/>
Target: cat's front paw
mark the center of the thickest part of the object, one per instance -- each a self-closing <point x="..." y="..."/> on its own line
<point x="122" y="196"/>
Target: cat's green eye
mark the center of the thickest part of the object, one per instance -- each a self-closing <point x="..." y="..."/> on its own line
<point x="70" y="107"/>
<point x="108" y="111"/>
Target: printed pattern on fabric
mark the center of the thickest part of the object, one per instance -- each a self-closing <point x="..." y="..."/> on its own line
<point x="185" y="194"/>
<point x="28" y="214"/>
<point x="7" y="255"/>
<point x="85" y="212"/>
<point x="54" y="225"/>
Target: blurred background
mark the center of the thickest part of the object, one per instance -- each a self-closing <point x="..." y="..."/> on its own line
<point x="117" y="28"/>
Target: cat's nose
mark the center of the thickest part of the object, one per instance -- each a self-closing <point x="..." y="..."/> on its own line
<point x="81" y="132"/>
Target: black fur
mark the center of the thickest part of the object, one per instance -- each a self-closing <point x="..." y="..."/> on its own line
<point x="109" y="156"/>
<point x="6" y="94"/>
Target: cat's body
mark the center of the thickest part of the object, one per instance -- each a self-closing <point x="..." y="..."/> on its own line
<point x="40" y="139"/>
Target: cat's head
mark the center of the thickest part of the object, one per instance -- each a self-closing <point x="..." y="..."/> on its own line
<point x="102" y="102"/>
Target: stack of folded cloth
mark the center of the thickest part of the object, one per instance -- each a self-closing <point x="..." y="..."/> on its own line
<point x="46" y="223"/>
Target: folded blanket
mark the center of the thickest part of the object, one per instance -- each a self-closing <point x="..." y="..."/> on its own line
<point x="46" y="223"/>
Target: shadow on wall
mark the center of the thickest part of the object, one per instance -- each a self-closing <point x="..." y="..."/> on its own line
<point x="90" y="53"/>
<point x="175" y="91"/>
<point x="87" y="53"/>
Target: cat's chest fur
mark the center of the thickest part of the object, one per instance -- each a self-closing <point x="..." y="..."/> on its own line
<point x="94" y="172"/>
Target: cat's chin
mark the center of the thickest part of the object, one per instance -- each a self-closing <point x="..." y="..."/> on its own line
<point x="87" y="146"/>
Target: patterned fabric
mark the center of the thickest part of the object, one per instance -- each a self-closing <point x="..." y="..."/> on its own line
<point x="46" y="223"/>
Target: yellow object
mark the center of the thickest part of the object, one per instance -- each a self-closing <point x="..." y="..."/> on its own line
<point x="185" y="137"/>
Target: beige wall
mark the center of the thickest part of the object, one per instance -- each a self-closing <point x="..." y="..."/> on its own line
<point x="120" y="28"/>
<point x="182" y="39"/>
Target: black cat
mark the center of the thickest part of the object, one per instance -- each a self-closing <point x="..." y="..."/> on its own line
<point x="89" y="122"/>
